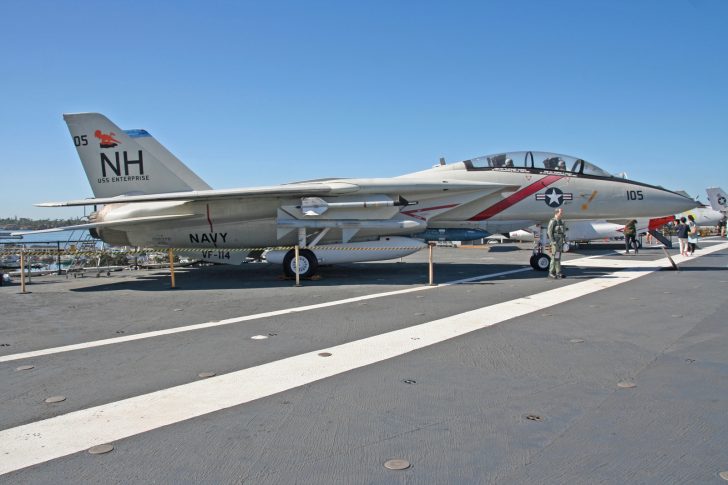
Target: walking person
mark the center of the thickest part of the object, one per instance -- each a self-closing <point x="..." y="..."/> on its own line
<point x="692" y="235"/>
<point x="682" y="236"/>
<point x="557" y="235"/>
<point x="630" y="236"/>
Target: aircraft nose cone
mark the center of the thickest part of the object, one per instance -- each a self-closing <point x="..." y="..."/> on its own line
<point x="677" y="203"/>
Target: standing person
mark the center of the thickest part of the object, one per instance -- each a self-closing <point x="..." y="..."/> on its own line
<point x="692" y="235"/>
<point x="557" y="235"/>
<point x="721" y="225"/>
<point x="630" y="236"/>
<point x="682" y="236"/>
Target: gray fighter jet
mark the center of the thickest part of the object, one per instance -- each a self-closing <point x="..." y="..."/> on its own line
<point x="151" y="199"/>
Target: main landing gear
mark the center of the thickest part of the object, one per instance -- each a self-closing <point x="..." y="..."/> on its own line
<point x="307" y="263"/>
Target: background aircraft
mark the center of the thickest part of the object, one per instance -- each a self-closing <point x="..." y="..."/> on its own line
<point x="151" y="199"/>
<point x="718" y="199"/>
<point x="601" y="229"/>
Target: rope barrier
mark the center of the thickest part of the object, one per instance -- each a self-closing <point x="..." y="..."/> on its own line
<point x="70" y="252"/>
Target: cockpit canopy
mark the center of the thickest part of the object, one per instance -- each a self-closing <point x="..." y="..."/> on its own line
<point x="536" y="160"/>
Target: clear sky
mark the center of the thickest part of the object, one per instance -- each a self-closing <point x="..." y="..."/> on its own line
<point x="261" y="93"/>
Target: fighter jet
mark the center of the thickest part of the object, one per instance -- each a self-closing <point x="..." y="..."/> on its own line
<point x="151" y="199"/>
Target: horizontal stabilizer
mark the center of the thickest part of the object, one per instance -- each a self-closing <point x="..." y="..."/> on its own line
<point x="120" y="222"/>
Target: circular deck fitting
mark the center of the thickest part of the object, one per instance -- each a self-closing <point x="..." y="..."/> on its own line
<point x="690" y="361"/>
<point x="409" y="381"/>
<point x="54" y="399"/>
<point x="724" y="476"/>
<point x="396" y="464"/>
<point x="414" y="338"/>
<point x="119" y="331"/>
<point x="272" y="334"/>
<point x="259" y="337"/>
<point x="205" y="375"/>
<point x="533" y="417"/>
<point x="576" y="340"/>
<point x="626" y="385"/>
<point x="100" y="449"/>
<point x="177" y="310"/>
<point x="25" y="367"/>
<point x="4" y="345"/>
<point x="324" y="354"/>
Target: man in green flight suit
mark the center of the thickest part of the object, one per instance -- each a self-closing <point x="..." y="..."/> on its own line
<point x="557" y="236"/>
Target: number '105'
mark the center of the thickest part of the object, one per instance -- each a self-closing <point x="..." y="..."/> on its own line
<point x="634" y="195"/>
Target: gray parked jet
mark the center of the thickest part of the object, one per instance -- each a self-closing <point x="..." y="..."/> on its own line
<point x="151" y="199"/>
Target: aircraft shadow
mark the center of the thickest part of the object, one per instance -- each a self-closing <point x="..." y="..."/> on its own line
<point x="360" y="274"/>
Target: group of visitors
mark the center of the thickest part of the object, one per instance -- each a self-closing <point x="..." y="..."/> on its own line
<point x="687" y="235"/>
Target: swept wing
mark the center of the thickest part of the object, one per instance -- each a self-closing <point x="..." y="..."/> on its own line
<point x="397" y="186"/>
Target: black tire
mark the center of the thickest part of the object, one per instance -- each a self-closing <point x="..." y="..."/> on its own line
<point x="533" y="262"/>
<point x="308" y="263"/>
<point x="541" y="262"/>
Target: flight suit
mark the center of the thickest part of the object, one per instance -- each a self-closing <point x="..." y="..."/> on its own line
<point x="557" y="235"/>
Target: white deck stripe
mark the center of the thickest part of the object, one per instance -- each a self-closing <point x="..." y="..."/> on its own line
<point x="585" y="261"/>
<point x="52" y="438"/>
<point x="229" y="321"/>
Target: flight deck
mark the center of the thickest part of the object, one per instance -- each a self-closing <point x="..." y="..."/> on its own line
<point x="615" y="374"/>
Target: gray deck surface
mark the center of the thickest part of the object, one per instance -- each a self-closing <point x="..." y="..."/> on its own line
<point x="463" y="420"/>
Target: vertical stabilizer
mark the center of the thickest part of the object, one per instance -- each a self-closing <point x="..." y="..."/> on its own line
<point x="119" y="162"/>
<point x="718" y="199"/>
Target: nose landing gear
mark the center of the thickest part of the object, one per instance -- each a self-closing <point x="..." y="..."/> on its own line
<point x="540" y="261"/>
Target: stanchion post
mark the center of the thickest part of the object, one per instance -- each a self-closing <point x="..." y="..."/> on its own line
<point x="170" y="254"/>
<point x="22" y="270"/>
<point x="298" y="275"/>
<point x="432" y="269"/>
<point x="58" y="257"/>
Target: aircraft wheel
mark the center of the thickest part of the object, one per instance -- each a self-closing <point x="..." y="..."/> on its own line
<point x="540" y="262"/>
<point x="307" y="263"/>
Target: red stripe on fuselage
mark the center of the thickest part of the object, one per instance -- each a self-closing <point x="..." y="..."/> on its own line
<point x="412" y="213"/>
<point x="516" y="197"/>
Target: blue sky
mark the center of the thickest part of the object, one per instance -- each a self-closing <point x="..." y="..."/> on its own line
<point x="260" y="93"/>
